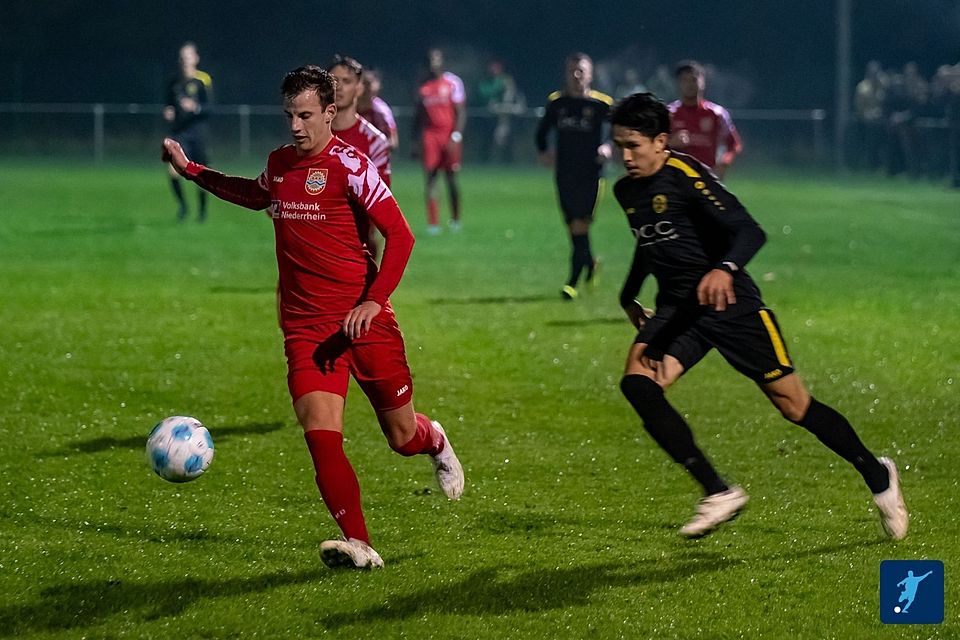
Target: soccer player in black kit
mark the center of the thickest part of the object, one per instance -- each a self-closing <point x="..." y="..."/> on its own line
<point x="579" y="115"/>
<point x="187" y="106"/>
<point x="696" y="239"/>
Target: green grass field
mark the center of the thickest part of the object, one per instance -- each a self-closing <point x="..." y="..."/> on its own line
<point x="114" y="317"/>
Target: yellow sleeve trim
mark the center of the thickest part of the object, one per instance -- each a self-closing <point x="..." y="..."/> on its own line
<point x="676" y="163"/>
<point x="553" y="96"/>
<point x="205" y="78"/>
<point x="775" y="339"/>
<point x="601" y="96"/>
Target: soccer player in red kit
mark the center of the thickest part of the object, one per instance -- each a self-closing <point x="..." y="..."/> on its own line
<point x="700" y="127"/>
<point x="349" y="125"/>
<point x="441" y="116"/>
<point x="336" y="319"/>
<point x="357" y="131"/>
<point x="375" y="109"/>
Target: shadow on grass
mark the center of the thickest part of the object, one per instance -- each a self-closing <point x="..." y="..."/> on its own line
<point x="496" y="591"/>
<point x="526" y="522"/>
<point x="496" y="299"/>
<point x="84" y="604"/>
<point x="138" y="441"/>
<point x="240" y="289"/>
<point x="587" y="322"/>
<point x="112" y="228"/>
<point x="791" y="553"/>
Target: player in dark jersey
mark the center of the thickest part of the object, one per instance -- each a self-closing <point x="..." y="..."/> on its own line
<point x="578" y="114"/>
<point x="695" y="238"/>
<point x="187" y="106"/>
<point x="335" y="314"/>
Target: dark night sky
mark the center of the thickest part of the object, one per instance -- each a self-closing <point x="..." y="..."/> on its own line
<point x="115" y="51"/>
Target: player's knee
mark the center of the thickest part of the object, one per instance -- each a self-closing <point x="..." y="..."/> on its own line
<point x="792" y="409"/>
<point x="640" y="390"/>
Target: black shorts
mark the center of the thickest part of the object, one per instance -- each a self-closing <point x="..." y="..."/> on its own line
<point x="579" y="198"/>
<point x="194" y="145"/>
<point x="751" y="343"/>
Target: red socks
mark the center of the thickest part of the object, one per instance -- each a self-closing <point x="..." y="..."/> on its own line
<point x="425" y="440"/>
<point x="337" y="482"/>
<point x="433" y="212"/>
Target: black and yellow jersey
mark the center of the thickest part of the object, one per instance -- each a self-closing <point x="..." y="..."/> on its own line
<point x="686" y="223"/>
<point x="199" y="89"/>
<point x="580" y="124"/>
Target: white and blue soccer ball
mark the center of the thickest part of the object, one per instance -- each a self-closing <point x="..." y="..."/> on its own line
<point x="179" y="449"/>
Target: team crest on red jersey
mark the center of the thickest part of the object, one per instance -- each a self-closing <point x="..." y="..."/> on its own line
<point x="316" y="181"/>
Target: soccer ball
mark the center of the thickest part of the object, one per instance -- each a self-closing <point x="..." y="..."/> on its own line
<point x="179" y="449"/>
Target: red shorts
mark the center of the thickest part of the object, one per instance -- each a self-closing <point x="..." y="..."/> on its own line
<point x="321" y="358"/>
<point x="439" y="152"/>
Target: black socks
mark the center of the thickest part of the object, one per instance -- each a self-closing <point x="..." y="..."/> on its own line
<point x="581" y="258"/>
<point x="670" y="430"/>
<point x="833" y="430"/>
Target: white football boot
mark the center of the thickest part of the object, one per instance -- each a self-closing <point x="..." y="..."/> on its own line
<point x="714" y="510"/>
<point x="447" y="467"/>
<point x="349" y="554"/>
<point x="893" y="510"/>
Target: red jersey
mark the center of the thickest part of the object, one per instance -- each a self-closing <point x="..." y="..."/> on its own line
<point x="368" y="139"/>
<point x="322" y="206"/>
<point x="439" y="97"/>
<point x="702" y="130"/>
<point x="380" y="115"/>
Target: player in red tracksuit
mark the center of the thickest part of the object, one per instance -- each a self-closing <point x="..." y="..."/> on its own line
<point x="334" y="311"/>
<point x="701" y="128"/>
<point x="441" y="116"/>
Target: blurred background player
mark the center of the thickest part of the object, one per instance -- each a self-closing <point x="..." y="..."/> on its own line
<point x="870" y="97"/>
<point x="578" y="115"/>
<point x="696" y="238"/>
<point x="356" y="130"/>
<point x="334" y="309"/>
<point x="700" y="127"/>
<point x="497" y="95"/>
<point x="439" y="122"/>
<point x="187" y="106"/>
<point x="348" y="124"/>
<point x="375" y="109"/>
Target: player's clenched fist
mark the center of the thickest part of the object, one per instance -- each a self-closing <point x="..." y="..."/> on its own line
<point x="173" y="153"/>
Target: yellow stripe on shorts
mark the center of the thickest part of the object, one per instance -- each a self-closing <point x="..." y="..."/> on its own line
<point x="775" y="338"/>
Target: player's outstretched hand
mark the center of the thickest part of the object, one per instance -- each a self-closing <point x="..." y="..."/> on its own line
<point x="358" y="321"/>
<point x="173" y="153"/>
<point x="716" y="290"/>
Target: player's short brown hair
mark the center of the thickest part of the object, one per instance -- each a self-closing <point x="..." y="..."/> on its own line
<point x="307" y="78"/>
<point x="348" y="63"/>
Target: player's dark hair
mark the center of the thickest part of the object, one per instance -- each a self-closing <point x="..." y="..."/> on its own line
<point x="577" y="56"/>
<point x="348" y="63"/>
<point x="372" y="74"/>
<point x="310" y="77"/>
<point x="688" y="66"/>
<point x="642" y="112"/>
